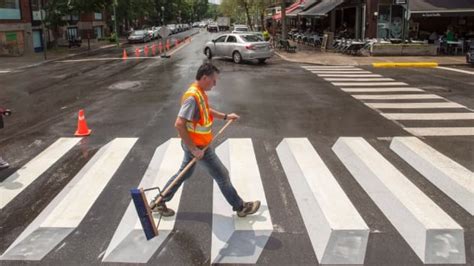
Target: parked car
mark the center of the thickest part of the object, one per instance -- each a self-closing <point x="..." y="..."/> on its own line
<point x="212" y="27"/>
<point x="196" y="25"/>
<point x="139" y="36"/>
<point x="153" y="32"/>
<point x="173" y="28"/>
<point x="470" y="54"/>
<point x="240" y="29"/>
<point x="239" y="47"/>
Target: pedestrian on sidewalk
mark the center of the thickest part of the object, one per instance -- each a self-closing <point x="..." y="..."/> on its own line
<point x="3" y="112"/>
<point x="194" y="123"/>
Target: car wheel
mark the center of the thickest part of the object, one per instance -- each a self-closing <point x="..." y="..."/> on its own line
<point x="261" y="60"/>
<point x="208" y="53"/>
<point x="237" y="57"/>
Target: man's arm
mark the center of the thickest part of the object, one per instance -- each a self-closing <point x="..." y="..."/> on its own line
<point x="220" y="115"/>
<point x="180" y="125"/>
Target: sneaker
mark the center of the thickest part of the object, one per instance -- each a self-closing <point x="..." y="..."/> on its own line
<point x="162" y="209"/>
<point x="3" y="164"/>
<point x="249" y="208"/>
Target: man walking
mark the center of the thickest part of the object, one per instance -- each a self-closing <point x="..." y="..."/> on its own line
<point x="3" y="112"/>
<point x="194" y="124"/>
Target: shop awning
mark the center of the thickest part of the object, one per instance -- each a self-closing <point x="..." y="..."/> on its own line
<point x="289" y="9"/>
<point x="441" y="8"/>
<point x="321" y="9"/>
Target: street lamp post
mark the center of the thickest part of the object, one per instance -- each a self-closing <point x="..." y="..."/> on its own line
<point x="162" y="15"/>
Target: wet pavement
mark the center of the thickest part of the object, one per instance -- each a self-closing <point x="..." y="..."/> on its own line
<point x="140" y="98"/>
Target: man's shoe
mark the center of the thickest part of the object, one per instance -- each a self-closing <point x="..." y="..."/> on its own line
<point x="249" y="208"/>
<point x="3" y="164"/>
<point x="162" y="209"/>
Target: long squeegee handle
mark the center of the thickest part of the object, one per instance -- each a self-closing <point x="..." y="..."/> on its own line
<point x="193" y="161"/>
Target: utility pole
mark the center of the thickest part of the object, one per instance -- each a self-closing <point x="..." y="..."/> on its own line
<point x="283" y="20"/>
<point x="43" y="30"/>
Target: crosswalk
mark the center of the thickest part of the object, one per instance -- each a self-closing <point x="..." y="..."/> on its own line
<point x="336" y="229"/>
<point x="392" y="99"/>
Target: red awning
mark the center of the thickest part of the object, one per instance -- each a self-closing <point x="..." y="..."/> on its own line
<point x="289" y="9"/>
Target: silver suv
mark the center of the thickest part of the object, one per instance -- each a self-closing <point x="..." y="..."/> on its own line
<point x="239" y="47"/>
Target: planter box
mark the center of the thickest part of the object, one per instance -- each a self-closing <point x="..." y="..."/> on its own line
<point x="403" y="49"/>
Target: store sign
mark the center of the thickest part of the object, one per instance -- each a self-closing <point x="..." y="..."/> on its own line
<point x="10" y="36"/>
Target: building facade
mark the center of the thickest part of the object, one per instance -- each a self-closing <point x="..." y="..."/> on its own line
<point x="16" y="35"/>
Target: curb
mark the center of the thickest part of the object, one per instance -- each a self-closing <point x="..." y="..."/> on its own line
<point x="405" y="64"/>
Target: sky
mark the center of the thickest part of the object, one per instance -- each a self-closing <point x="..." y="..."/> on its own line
<point x="215" y="1"/>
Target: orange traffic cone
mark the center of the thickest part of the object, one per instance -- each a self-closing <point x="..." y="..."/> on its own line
<point x="137" y="52"/>
<point x="146" y="49"/>
<point x="153" y="49"/>
<point x="176" y="43"/>
<point x="82" y="129"/>
<point x="168" y="44"/>
<point x="124" y="56"/>
<point x="160" y="47"/>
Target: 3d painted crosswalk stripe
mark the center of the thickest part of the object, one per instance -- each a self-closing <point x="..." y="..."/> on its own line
<point x="235" y="239"/>
<point x="350" y="75"/>
<point x="431" y="233"/>
<point x="337" y="232"/>
<point x="358" y="79"/>
<point x="414" y="105"/>
<point x="429" y="116"/>
<point x="440" y="131"/>
<point x="397" y="97"/>
<point x="329" y="67"/>
<point x="381" y="89"/>
<point x="449" y="176"/>
<point x="369" y="84"/>
<point x="23" y="177"/>
<point x="70" y="206"/>
<point x="129" y="244"/>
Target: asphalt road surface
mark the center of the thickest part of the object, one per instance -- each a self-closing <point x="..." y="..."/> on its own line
<point x="352" y="164"/>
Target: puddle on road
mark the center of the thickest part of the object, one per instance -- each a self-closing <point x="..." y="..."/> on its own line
<point x="126" y="85"/>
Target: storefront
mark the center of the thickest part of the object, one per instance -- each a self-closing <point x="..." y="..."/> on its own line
<point x="391" y="19"/>
<point x="15" y="28"/>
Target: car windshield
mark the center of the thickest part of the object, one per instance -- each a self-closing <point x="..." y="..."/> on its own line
<point x="251" y="38"/>
<point x="140" y="32"/>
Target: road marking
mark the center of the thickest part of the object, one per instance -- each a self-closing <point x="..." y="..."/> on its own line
<point x="66" y="211"/>
<point x="414" y="105"/>
<point x="431" y="233"/>
<point x="129" y="245"/>
<point x="380" y="89"/>
<point x="358" y="79"/>
<point x="457" y="70"/>
<point x="349" y="75"/>
<point x="396" y="96"/>
<point x="5" y="71"/>
<point x="337" y="232"/>
<point x="430" y="116"/>
<point x="179" y="48"/>
<point x="329" y="67"/>
<point x="23" y="177"/>
<point x="107" y="59"/>
<point x="340" y="72"/>
<point x="449" y="176"/>
<point x="369" y="84"/>
<point x="239" y="240"/>
<point x="441" y="131"/>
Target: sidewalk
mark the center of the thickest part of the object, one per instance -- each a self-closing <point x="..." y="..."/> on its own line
<point x="310" y="55"/>
<point x="17" y="62"/>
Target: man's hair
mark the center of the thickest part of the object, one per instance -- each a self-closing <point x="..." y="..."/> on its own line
<point x="206" y="69"/>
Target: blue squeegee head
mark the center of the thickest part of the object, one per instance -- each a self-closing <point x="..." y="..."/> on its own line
<point x="146" y="218"/>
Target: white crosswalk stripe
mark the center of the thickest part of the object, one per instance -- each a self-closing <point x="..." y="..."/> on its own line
<point x="338" y="233"/>
<point x="420" y="221"/>
<point x="129" y="243"/>
<point x="229" y="232"/>
<point x="449" y="176"/>
<point x="65" y="212"/>
<point x="361" y="81"/>
<point x="23" y="177"/>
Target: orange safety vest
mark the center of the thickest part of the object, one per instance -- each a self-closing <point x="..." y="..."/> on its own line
<point x="199" y="131"/>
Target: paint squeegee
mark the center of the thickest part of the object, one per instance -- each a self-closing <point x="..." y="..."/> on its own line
<point x="144" y="210"/>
